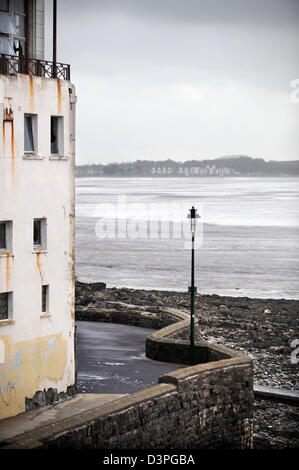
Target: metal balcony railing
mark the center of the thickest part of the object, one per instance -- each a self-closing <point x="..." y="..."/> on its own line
<point x="10" y="64"/>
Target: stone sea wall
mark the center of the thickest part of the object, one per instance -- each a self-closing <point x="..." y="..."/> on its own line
<point x="208" y="405"/>
<point x="205" y="406"/>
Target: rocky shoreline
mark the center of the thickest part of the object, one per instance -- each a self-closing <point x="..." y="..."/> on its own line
<point x="262" y="328"/>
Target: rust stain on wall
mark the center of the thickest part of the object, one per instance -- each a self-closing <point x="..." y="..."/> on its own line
<point x="3" y="140"/>
<point x="12" y="144"/>
<point x="59" y="98"/>
<point x="38" y="260"/>
<point x="31" y="86"/>
<point x="7" y="272"/>
<point x="39" y="265"/>
<point x="8" y="117"/>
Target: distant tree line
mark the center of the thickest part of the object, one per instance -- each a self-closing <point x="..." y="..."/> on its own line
<point x="224" y="166"/>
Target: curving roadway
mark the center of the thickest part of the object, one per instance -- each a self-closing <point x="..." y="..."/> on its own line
<point x="111" y="359"/>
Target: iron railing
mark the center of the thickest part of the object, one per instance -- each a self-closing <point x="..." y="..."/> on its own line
<point x="10" y="64"/>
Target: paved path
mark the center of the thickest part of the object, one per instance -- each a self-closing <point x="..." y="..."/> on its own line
<point x="35" y="419"/>
<point x="111" y="359"/>
<point x="111" y="363"/>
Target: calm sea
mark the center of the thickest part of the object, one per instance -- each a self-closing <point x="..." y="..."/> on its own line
<point x="250" y="235"/>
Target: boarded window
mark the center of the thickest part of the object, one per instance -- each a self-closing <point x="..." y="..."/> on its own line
<point x="30" y="123"/>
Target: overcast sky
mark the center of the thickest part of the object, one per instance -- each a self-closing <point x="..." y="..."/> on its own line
<point x="181" y="79"/>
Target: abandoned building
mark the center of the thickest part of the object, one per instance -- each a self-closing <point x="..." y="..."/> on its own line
<point x="37" y="153"/>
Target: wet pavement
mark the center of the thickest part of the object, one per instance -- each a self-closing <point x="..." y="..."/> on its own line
<point x="111" y="359"/>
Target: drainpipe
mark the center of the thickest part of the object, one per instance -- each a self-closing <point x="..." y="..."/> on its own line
<point x="27" y="35"/>
<point x="73" y="100"/>
<point x="54" y="38"/>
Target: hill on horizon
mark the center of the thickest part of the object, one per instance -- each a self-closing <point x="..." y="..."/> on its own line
<point x="234" y="165"/>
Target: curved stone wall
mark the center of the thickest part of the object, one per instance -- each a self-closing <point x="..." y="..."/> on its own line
<point x="208" y="405"/>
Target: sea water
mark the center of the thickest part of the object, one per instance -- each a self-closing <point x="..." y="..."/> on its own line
<point x="249" y="229"/>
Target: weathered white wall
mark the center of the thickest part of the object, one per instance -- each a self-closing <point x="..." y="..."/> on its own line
<point x="39" y="350"/>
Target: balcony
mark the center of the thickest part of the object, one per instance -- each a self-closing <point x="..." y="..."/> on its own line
<point x="10" y="64"/>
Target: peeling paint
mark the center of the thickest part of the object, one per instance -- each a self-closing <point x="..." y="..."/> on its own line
<point x="2" y="352"/>
<point x="44" y="361"/>
<point x="29" y="362"/>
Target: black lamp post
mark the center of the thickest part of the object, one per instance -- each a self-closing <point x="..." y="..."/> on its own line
<point x="192" y="216"/>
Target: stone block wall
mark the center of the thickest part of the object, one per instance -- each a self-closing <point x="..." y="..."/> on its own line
<point x="196" y="407"/>
<point x="208" y="405"/>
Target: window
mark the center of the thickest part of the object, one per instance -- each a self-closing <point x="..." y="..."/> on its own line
<point x="5" y="305"/>
<point x="3" y="5"/>
<point x="12" y="23"/>
<point x="5" y="46"/>
<point x="19" y="19"/>
<point x="40" y="234"/>
<point x="45" y="299"/>
<point x="19" y="47"/>
<point x="19" y="6"/>
<point x="30" y="133"/>
<point x="2" y="236"/>
<point x="57" y="135"/>
<point x="5" y="236"/>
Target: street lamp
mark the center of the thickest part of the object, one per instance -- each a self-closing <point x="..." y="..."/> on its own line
<point x="193" y="215"/>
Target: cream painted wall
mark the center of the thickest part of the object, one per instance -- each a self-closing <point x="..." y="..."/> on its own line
<point x="39" y="351"/>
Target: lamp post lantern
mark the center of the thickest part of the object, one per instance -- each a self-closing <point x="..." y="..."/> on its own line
<point x="193" y="215"/>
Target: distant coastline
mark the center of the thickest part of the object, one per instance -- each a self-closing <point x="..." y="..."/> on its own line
<point x="234" y="166"/>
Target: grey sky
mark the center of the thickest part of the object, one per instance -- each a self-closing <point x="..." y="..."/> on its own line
<point x="181" y="79"/>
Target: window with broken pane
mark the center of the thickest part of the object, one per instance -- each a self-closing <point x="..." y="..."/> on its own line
<point x="57" y="135"/>
<point x="40" y="234"/>
<point x="29" y="133"/>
